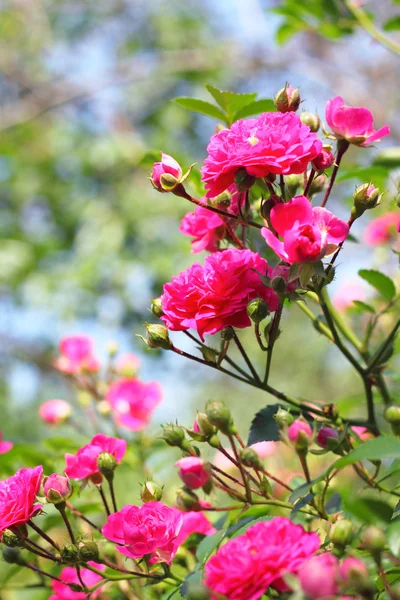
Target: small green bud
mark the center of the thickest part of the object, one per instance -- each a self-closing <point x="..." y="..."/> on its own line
<point x="311" y="120"/>
<point x="257" y="310"/>
<point x="11" y="539"/>
<point x="283" y="418"/>
<point x="287" y="99"/>
<point x="187" y="500"/>
<point x="156" y="307"/>
<point x="373" y="540"/>
<point x="279" y="285"/>
<point x="365" y="198"/>
<point x="227" y="334"/>
<point x="70" y="554"/>
<point x="88" y="551"/>
<point x="209" y="354"/>
<point x="250" y="458"/>
<point x="318" y="184"/>
<point x="243" y="180"/>
<point x="220" y="416"/>
<point x="292" y="182"/>
<point x="106" y="464"/>
<point x="392" y="414"/>
<point x="12" y="556"/>
<point x="341" y="533"/>
<point x="222" y="200"/>
<point x="158" y="337"/>
<point x="173" y="435"/>
<point x="151" y="492"/>
<point x="214" y="441"/>
<point x="204" y="425"/>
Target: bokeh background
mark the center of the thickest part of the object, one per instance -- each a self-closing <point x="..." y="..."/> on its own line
<point x="86" y="91"/>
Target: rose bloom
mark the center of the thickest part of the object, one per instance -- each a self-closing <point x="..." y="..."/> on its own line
<point x="247" y="565"/>
<point x="215" y="296"/>
<point x="346" y="294"/>
<point x="356" y="125"/>
<point x="133" y="402"/>
<point x="382" y="229"/>
<point x="17" y="497"/>
<point x="167" y="165"/>
<point x="194" y="522"/>
<point x="76" y="355"/>
<point x="5" y="446"/>
<point x="55" y="412"/>
<point x="83" y="464"/>
<point x="152" y="529"/>
<point x="308" y="233"/>
<point x="319" y="576"/>
<point x="69" y="575"/>
<point x="271" y="143"/>
<point x="192" y="471"/>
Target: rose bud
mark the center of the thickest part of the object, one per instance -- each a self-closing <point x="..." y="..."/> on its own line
<point x="174" y="435"/>
<point x="283" y="417"/>
<point x="12" y="556"/>
<point x="202" y="425"/>
<point x="257" y="310"/>
<point x="250" y="458"/>
<point x="319" y="576"/>
<point x="106" y="464"/>
<point x="328" y="438"/>
<point x="220" y="416"/>
<point x="57" y="488"/>
<point x="193" y="471"/>
<point x="324" y="160"/>
<point x="88" y="551"/>
<point x="151" y="492"/>
<point x="243" y="180"/>
<point x="55" y="412"/>
<point x="158" y="337"/>
<point x="287" y="99"/>
<point x="70" y="554"/>
<point x="341" y="533"/>
<point x="300" y="434"/>
<point x="373" y="540"/>
<point x="166" y="174"/>
<point x="365" y="198"/>
<point x="186" y="500"/>
<point x="311" y="120"/>
<point x="156" y="307"/>
<point x="11" y="539"/>
<point x="353" y="572"/>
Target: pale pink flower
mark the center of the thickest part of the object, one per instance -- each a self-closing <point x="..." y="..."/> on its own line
<point x="127" y="365"/>
<point x="17" y="497"/>
<point x="247" y="565"/>
<point x="271" y="143"/>
<point x="205" y="227"/>
<point x="167" y="165"/>
<point x="356" y="125"/>
<point x="382" y="229"/>
<point x="69" y="575"/>
<point x="346" y="294"/>
<point x="76" y="355"/>
<point x="151" y="529"/>
<point x="133" y="402"/>
<point x="193" y="471"/>
<point x="83" y="464"/>
<point x="319" y="576"/>
<point x="308" y="233"/>
<point x="55" y="412"/>
<point x="5" y="446"/>
<point x="362" y="433"/>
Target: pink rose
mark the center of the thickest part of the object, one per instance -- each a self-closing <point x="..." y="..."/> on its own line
<point x="308" y="233"/>
<point x="193" y="471"/>
<point x="56" y="488"/>
<point x="194" y="522"/>
<point x="152" y="529"/>
<point x="167" y="165"/>
<point x="382" y="229"/>
<point x="205" y="227"/>
<point x="69" y="575"/>
<point x="55" y="412"/>
<point x="76" y="355"/>
<point x="344" y="297"/>
<point x="271" y="143"/>
<point x="323" y="161"/>
<point x="215" y="296"/>
<point x="356" y="125"/>
<point x="319" y="576"/>
<point x="83" y="464"/>
<point x="353" y="570"/>
<point x="127" y="365"/>
<point x="247" y="565"/>
<point x="133" y="402"/>
<point x="296" y="428"/>
<point x="5" y="446"/>
<point x="17" y="497"/>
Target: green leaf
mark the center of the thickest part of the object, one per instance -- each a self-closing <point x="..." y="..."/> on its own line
<point x="301" y="503"/>
<point x="368" y="510"/>
<point x="263" y="427"/>
<point x="392" y="24"/>
<point x="393" y="538"/>
<point x="286" y="31"/>
<point x="376" y="174"/>
<point x="230" y="101"/>
<point x="208" y="545"/>
<point x="304" y="489"/>
<point x="385" y="446"/>
<point x="245" y="527"/>
<point x="380" y="282"/>
<point x="307" y="271"/>
<point x="389" y="158"/>
<point x="201" y="106"/>
<point x="392" y="576"/>
<point x="255" y="108"/>
<point x="363" y="307"/>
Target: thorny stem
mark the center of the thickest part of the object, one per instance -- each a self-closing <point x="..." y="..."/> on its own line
<point x="342" y="146"/>
<point x="258" y="337"/>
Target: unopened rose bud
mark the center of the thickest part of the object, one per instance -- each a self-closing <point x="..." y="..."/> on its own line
<point x="204" y="425"/>
<point x="287" y="99"/>
<point x="257" y="310"/>
<point x="365" y="198"/>
<point x="220" y="416"/>
<point x="341" y="533"/>
<point x="279" y="285"/>
<point x="214" y="441"/>
<point x="106" y="464"/>
<point x="311" y="120"/>
<point x="55" y="412"/>
<point x="249" y="458"/>
<point x="158" y="337"/>
<point x="292" y="183"/>
<point x="174" y="435"/>
<point x="193" y="471"/>
<point x="227" y="334"/>
<point x="88" y="551"/>
<point x="353" y="572"/>
<point x="328" y="438"/>
<point x="300" y="434"/>
<point x="57" y="488"/>
<point x="187" y="500"/>
<point x="151" y="492"/>
<point x="12" y="556"/>
<point x="283" y="418"/>
<point x="70" y="554"/>
<point x="222" y="200"/>
<point x="209" y="354"/>
<point x="11" y="539"/>
<point x="156" y="307"/>
<point x="166" y="174"/>
<point x="243" y="180"/>
<point x="324" y="160"/>
<point x="373" y="540"/>
<point x="392" y="414"/>
<point x="318" y="184"/>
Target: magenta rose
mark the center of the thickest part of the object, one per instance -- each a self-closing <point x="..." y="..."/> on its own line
<point x="205" y="227"/>
<point x="306" y="233"/>
<point x="17" y="497"/>
<point x="271" y="143"/>
<point x="4" y="445"/>
<point x="298" y="427"/>
<point x="324" y="160"/>
<point x="151" y="529"/>
<point x="83" y="464"/>
<point x="215" y="296"/>
<point x="133" y="402"/>
<point x="247" y="565"/>
<point x="69" y="575"/>
<point x="193" y="471"/>
<point x="356" y="125"/>
<point x="76" y="355"/>
<point x="319" y="576"/>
